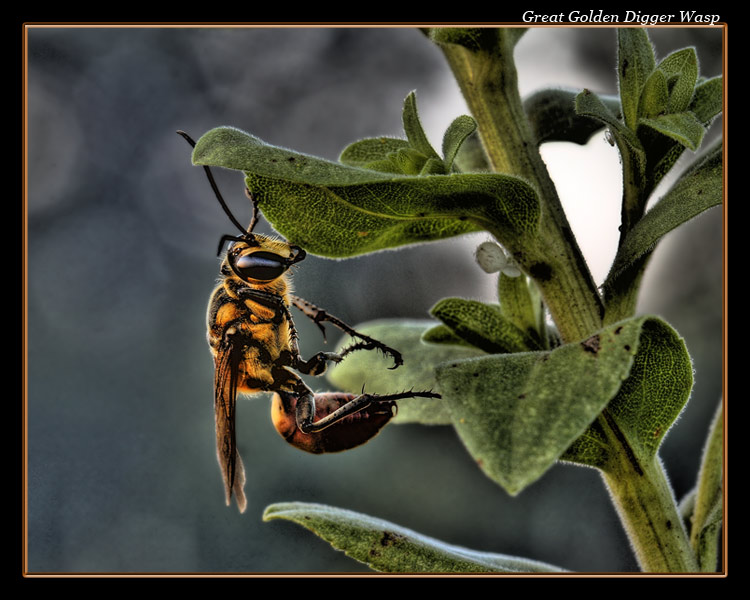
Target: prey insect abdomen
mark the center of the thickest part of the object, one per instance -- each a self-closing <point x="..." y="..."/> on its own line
<point x="351" y="431"/>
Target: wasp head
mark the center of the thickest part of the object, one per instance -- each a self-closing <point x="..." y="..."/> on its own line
<point x="252" y="257"/>
<point x="257" y="258"/>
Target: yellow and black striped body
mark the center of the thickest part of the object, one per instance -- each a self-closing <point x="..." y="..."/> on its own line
<point x="261" y="326"/>
<point x="263" y="331"/>
<point x="253" y="342"/>
<point x="254" y="346"/>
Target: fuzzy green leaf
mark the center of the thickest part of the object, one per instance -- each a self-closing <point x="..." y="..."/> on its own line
<point x="433" y="166"/>
<point x="589" y="104"/>
<point x="553" y="118"/>
<point x="707" y="540"/>
<point x="410" y="161"/>
<point x="339" y="221"/>
<point x="655" y="95"/>
<point x="370" y="369"/>
<point x="483" y="326"/>
<point x="233" y="148"/>
<point x="636" y="62"/>
<point x="518" y="413"/>
<point x="413" y="128"/>
<point x="520" y="303"/>
<point x="390" y="548"/>
<point x="457" y="132"/>
<point x="442" y="334"/>
<point x="697" y="190"/>
<point x="681" y="127"/>
<point x="707" y="513"/>
<point x="656" y="390"/>
<point x="590" y="449"/>
<point x="707" y="100"/>
<point x="706" y="105"/>
<point x="686" y="508"/>
<point x="335" y="210"/>
<point x="648" y="401"/>
<point x="471" y="157"/>
<point x="365" y="153"/>
<point x="681" y="73"/>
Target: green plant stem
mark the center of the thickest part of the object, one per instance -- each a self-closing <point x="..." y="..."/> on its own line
<point x="641" y="493"/>
<point x="488" y="81"/>
<point x="633" y="196"/>
<point x="621" y="294"/>
<point x="646" y="506"/>
<point x="704" y="534"/>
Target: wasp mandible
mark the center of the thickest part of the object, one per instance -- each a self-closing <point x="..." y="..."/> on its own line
<point x="255" y="349"/>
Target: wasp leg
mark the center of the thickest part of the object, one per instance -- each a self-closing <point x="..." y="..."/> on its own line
<point x="306" y="407"/>
<point x="319" y="316"/>
<point x="315" y="365"/>
<point x="318" y="363"/>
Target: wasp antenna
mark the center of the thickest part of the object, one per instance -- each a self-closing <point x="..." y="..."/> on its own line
<point x="215" y="188"/>
<point x="254" y="220"/>
<point x="227" y="238"/>
<point x="190" y="140"/>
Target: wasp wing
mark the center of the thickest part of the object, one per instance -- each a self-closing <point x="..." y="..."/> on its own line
<point x="227" y="362"/>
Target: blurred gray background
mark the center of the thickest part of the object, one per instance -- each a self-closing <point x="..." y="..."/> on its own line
<point x="122" y="235"/>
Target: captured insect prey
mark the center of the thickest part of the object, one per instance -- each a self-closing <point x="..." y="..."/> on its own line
<point x="255" y="349"/>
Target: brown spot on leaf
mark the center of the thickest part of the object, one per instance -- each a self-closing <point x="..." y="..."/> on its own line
<point x="618" y="330"/>
<point x="592" y="344"/>
<point x="389" y="538"/>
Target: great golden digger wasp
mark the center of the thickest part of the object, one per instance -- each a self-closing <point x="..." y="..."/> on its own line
<point x="254" y="345"/>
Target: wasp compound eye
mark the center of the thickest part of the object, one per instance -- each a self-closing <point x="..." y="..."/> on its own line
<point x="260" y="266"/>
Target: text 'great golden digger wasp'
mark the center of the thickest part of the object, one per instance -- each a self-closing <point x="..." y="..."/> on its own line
<point x="254" y="344"/>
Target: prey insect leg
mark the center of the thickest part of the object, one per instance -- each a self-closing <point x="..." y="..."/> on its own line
<point x="306" y="407"/>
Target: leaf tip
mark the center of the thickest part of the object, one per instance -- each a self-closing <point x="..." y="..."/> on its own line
<point x="276" y="511"/>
